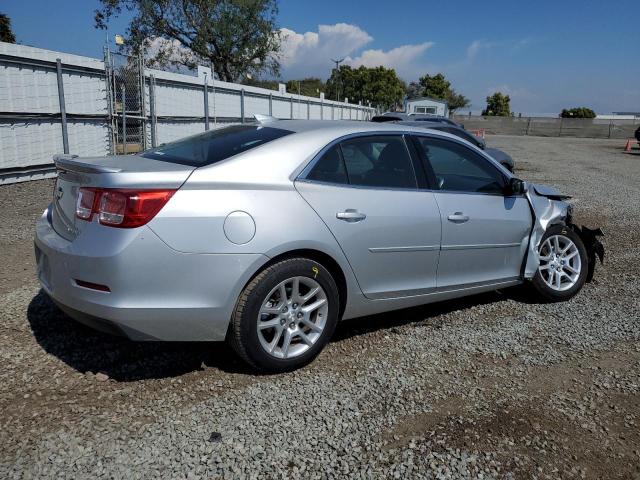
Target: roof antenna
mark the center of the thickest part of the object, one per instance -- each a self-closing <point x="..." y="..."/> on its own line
<point x="264" y="118"/>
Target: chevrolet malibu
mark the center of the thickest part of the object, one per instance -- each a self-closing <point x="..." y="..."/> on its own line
<point x="265" y="235"/>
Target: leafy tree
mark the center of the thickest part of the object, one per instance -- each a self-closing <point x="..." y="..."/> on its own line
<point x="238" y="37"/>
<point x="378" y="85"/>
<point x="578" y="112"/>
<point x="437" y="86"/>
<point x="498" y="105"/>
<point x="6" y="33"/>
<point x="311" y="87"/>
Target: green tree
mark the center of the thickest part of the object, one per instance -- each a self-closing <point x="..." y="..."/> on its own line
<point x="578" y="112"/>
<point x="498" y="105"/>
<point x="237" y="37"/>
<point x="311" y="87"/>
<point x="378" y="85"/>
<point x="437" y="86"/>
<point x="6" y="33"/>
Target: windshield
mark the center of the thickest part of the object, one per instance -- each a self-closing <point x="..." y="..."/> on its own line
<point x="215" y="145"/>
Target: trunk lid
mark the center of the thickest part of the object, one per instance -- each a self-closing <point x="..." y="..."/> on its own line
<point x="119" y="171"/>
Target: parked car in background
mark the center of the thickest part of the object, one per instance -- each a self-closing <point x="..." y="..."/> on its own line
<point x="502" y="157"/>
<point x="266" y="235"/>
<point x="400" y="116"/>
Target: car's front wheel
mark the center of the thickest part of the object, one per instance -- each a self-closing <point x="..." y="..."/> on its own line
<point x="285" y="315"/>
<point x="563" y="264"/>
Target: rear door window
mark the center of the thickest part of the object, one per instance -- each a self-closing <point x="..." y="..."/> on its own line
<point x="330" y="168"/>
<point x="215" y="145"/>
<point x="378" y="161"/>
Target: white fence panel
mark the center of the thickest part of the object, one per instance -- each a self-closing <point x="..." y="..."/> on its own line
<point x="281" y="108"/>
<point x="31" y="119"/>
<point x="254" y="105"/>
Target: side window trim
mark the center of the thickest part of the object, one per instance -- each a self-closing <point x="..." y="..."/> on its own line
<point x="431" y="174"/>
<point x="418" y="151"/>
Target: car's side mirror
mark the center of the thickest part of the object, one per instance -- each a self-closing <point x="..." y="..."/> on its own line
<point x="515" y="186"/>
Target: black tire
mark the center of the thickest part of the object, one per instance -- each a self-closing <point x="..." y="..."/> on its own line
<point x="243" y="330"/>
<point x="540" y="288"/>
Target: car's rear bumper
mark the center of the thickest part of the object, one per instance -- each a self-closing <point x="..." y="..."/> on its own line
<point x="156" y="293"/>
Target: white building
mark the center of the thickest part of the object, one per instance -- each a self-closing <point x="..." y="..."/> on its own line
<point x="426" y="106"/>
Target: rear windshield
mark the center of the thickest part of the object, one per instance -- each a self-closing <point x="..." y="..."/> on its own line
<point x="215" y="145"/>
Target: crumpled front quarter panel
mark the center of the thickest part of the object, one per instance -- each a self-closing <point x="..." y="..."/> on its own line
<point x="547" y="212"/>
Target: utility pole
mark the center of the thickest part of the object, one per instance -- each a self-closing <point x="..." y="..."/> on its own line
<point x="337" y="62"/>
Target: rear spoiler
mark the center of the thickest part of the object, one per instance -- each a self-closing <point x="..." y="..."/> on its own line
<point x="67" y="163"/>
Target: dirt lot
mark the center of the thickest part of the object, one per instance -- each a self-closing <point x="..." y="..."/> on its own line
<point x="491" y="386"/>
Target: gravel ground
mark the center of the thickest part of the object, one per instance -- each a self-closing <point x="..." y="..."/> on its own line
<point x="491" y="386"/>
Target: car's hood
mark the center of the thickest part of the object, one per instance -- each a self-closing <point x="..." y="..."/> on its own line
<point x="549" y="192"/>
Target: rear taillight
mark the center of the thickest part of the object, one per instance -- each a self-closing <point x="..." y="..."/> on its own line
<point x="85" y="203"/>
<point x="121" y="208"/>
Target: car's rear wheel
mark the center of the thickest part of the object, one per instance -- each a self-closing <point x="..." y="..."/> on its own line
<point x="285" y="315"/>
<point x="563" y="265"/>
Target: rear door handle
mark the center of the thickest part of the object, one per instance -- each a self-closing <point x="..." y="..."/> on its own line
<point x="458" y="217"/>
<point x="351" y="215"/>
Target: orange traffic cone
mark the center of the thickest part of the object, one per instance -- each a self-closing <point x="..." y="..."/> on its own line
<point x="627" y="148"/>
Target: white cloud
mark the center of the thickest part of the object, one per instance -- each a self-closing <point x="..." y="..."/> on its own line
<point x="310" y="53"/>
<point x="404" y="59"/>
<point x="169" y="50"/>
<point x="476" y="46"/>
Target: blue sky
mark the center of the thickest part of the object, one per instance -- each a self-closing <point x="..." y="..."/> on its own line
<point x="547" y="54"/>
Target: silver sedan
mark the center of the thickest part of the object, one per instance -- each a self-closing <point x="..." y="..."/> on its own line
<point x="267" y="234"/>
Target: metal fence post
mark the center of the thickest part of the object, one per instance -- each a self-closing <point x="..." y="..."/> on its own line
<point x="308" y="109"/>
<point x="321" y="109"/>
<point x="291" y="106"/>
<point x="143" y="103"/>
<point x="152" y="110"/>
<point x="124" y="119"/>
<point x="110" y="102"/>
<point x="528" y="126"/>
<point x="63" y="110"/>
<point x="560" y="132"/>
<point x="611" y="126"/>
<point x="206" y="103"/>
<point x="213" y="92"/>
<point x="271" y="104"/>
<point x="242" y="106"/>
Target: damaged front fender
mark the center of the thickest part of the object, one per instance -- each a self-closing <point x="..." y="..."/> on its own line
<point x="549" y="207"/>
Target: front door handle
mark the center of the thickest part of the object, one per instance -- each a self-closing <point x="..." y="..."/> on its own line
<point x="458" y="217"/>
<point x="351" y="215"/>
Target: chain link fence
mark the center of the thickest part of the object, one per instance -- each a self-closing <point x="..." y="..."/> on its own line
<point x="552" y="127"/>
<point x="52" y="102"/>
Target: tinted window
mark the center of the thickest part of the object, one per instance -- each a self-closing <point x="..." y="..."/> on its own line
<point x="457" y="168"/>
<point x="378" y="161"/>
<point x="330" y="168"/>
<point x="215" y="145"/>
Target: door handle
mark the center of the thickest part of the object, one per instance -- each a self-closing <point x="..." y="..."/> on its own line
<point x="351" y="215"/>
<point x="458" y="217"/>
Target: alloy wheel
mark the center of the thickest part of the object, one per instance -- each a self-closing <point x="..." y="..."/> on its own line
<point x="292" y="317"/>
<point x="560" y="263"/>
